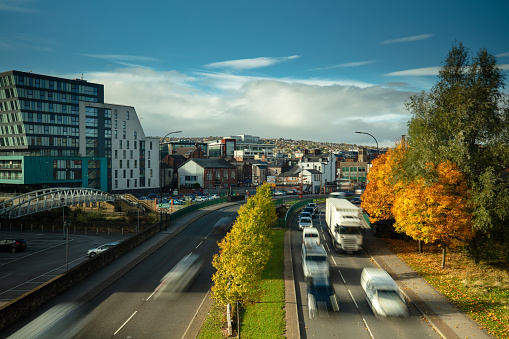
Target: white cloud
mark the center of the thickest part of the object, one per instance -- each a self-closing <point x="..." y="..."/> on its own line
<point x="120" y="57"/>
<point x="502" y="55"/>
<point x="407" y="39"/>
<point x="346" y="65"/>
<point x="243" y="64"/>
<point x="306" y="109"/>
<point x="426" y="71"/>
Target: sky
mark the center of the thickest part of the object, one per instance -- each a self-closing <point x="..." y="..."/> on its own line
<point x="304" y="70"/>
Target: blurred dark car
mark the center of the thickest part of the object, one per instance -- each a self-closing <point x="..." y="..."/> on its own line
<point x="321" y="296"/>
<point x="13" y="245"/>
<point x="356" y="201"/>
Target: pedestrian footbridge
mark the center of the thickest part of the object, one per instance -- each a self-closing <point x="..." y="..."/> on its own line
<point x="50" y="198"/>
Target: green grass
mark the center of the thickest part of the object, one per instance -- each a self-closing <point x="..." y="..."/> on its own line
<point x="265" y="319"/>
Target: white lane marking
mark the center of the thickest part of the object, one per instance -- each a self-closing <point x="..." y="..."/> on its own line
<point x="6" y="275"/>
<point x="125" y="322"/>
<point x="334" y="262"/>
<point x="367" y="327"/>
<point x="199" y="307"/>
<point x="351" y="295"/>
<point x="342" y="277"/>
<point x="152" y="294"/>
<point x="198" y="245"/>
<point x="328" y="248"/>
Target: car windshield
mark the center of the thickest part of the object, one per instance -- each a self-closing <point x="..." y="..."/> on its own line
<point x="317" y="258"/>
<point x="303" y="220"/>
<point x="388" y="294"/>
<point x="311" y="235"/>
<point x="349" y="230"/>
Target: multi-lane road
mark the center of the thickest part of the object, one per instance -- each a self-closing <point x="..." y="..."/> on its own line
<point x="128" y="307"/>
<point x="355" y="318"/>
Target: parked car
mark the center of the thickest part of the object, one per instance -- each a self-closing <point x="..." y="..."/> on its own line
<point x="304" y="223"/>
<point x="13" y="245"/>
<point x="321" y="296"/>
<point x="382" y="293"/>
<point x="95" y="251"/>
<point x="214" y="196"/>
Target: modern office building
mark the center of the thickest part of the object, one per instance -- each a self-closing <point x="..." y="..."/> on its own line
<point x="57" y="132"/>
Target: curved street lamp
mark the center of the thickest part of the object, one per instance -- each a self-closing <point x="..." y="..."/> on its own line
<point x="372" y="137"/>
<point x="161" y="178"/>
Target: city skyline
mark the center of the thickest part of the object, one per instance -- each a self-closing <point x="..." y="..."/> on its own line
<point x="294" y="70"/>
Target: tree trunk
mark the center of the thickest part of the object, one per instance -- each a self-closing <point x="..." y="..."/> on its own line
<point x="420" y="246"/>
<point x="443" y="255"/>
<point x="229" y="319"/>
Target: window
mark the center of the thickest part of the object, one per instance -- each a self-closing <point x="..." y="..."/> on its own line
<point x="127" y="115"/>
<point x="125" y="174"/>
<point x="127" y="144"/>
<point x="116" y="183"/>
<point x="116" y="134"/>
<point x="135" y="135"/>
<point x="116" y="174"/>
<point x="135" y="163"/>
<point x="123" y="125"/>
<point x="131" y="174"/>
<point x="123" y="135"/>
<point x="209" y="175"/>
<point x="218" y="175"/>
<point x="120" y="164"/>
<point x="233" y="175"/>
<point x="116" y="123"/>
<point x="120" y="144"/>
<point x="124" y="153"/>
<point x="131" y="155"/>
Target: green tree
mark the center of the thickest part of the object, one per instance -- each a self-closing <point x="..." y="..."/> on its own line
<point x="464" y="119"/>
<point x="244" y="251"/>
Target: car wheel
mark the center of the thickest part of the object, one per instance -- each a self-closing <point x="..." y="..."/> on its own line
<point x="92" y="254"/>
<point x="13" y="250"/>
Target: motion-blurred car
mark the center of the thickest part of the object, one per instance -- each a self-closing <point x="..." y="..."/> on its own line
<point x="310" y="234"/>
<point x="13" y="245"/>
<point x="95" y="251"/>
<point x="223" y="225"/>
<point x="180" y="277"/>
<point x="356" y="200"/>
<point x="305" y="223"/>
<point x="382" y="293"/>
<point x="279" y="193"/>
<point x="321" y="296"/>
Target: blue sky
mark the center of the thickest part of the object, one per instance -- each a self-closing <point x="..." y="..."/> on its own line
<point x="312" y="70"/>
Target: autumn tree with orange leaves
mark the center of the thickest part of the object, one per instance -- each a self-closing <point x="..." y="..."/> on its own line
<point x="437" y="210"/>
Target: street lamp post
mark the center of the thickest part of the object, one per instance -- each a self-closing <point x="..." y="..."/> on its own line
<point x="377" y="150"/>
<point x="161" y="179"/>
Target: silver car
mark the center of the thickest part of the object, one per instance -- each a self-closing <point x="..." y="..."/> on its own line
<point x="95" y="251"/>
<point x="305" y="222"/>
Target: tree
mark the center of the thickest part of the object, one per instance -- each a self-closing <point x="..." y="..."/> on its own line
<point x="464" y="119"/>
<point x="436" y="211"/>
<point x="384" y="181"/>
<point x="244" y="251"/>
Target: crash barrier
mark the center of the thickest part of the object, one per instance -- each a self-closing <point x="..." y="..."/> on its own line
<point x="28" y="302"/>
<point x="295" y="207"/>
<point x="196" y="206"/>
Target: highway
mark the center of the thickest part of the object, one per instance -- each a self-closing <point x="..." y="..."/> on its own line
<point x="44" y="258"/>
<point x="355" y="318"/>
<point x="128" y="307"/>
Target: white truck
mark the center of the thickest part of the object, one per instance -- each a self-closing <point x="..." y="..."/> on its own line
<point x="344" y="224"/>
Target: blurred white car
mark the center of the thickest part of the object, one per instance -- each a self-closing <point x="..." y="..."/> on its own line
<point x="310" y="234"/>
<point x="180" y="277"/>
<point x="382" y="293"/>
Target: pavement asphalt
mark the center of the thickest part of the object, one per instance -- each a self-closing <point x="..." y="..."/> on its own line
<point x="447" y="319"/>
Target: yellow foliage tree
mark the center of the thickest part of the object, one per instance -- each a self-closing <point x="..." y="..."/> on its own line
<point x="244" y="251"/>
<point x="438" y="210"/>
<point x="384" y="183"/>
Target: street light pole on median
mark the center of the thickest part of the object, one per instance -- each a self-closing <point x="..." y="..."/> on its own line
<point x="161" y="178"/>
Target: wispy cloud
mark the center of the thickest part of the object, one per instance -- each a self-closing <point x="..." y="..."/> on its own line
<point x="243" y="64"/>
<point x="426" y="71"/>
<point x="407" y="39"/>
<point x="502" y="55"/>
<point x="25" y="41"/>
<point x="346" y="65"/>
<point x="15" y="6"/>
<point x="120" y="57"/>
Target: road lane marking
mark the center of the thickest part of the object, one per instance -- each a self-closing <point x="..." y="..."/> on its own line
<point x="63" y="243"/>
<point x="367" y="327"/>
<point x="6" y="275"/>
<point x="125" y="322"/>
<point x="344" y="281"/>
<point x="199" y="244"/>
<point x="351" y="295"/>
<point x="334" y="262"/>
<point x="152" y="294"/>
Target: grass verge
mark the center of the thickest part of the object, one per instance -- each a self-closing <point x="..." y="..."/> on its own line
<point x="480" y="290"/>
<point x="265" y="319"/>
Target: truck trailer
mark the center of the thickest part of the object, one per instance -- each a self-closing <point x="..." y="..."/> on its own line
<point x="344" y="224"/>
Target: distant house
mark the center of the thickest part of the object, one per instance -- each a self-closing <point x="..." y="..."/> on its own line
<point x="207" y="173"/>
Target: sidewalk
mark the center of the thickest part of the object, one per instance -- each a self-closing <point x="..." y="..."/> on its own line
<point x="448" y="320"/>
